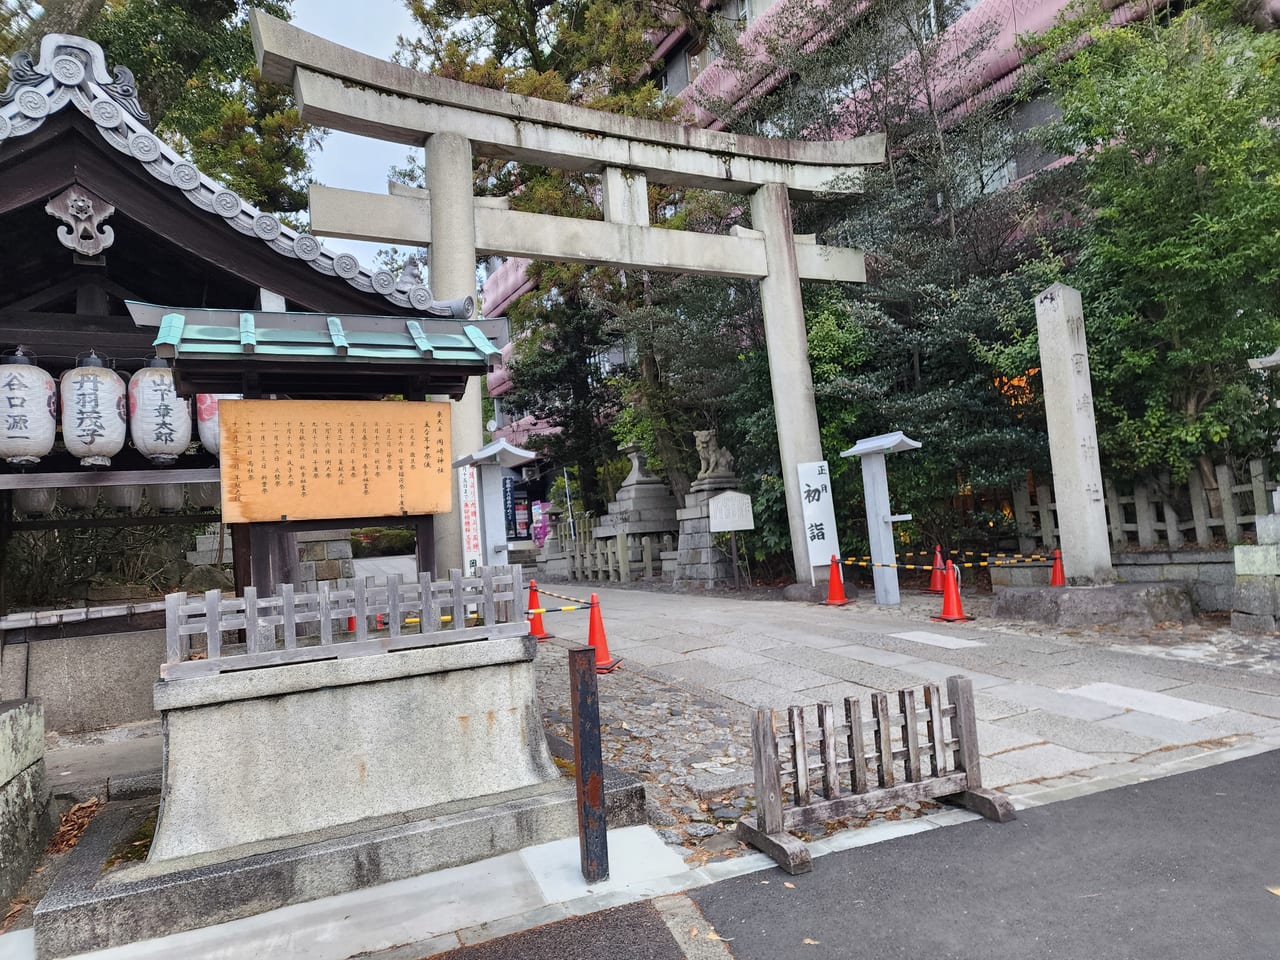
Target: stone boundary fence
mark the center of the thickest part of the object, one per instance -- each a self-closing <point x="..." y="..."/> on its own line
<point x="1154" y="513"/>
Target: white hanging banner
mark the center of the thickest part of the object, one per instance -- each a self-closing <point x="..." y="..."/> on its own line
<point x="819" y="512"/>
<point x="469" y="494"/>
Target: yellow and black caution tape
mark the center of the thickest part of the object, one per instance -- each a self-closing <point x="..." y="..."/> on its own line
<point x="576" y="606"/>
<point x="928" y="566"/>
<point x="560" y="596"/>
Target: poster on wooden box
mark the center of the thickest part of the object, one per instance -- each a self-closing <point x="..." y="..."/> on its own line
<point x="328" y="459"/>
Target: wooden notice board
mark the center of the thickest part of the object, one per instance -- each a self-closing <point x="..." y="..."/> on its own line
<point x="328" y="459"/>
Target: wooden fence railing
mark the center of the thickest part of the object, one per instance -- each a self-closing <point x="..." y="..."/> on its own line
<point x="402" y="615"/>
<point x="1159" y="514"/>
<point x="610" y="558"/>
<point x="913" y="758"/>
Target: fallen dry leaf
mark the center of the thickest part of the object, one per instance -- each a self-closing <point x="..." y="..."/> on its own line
<point x="73" y="825"/>
<point x="712" y="935"/>
<point x="788" y="884"/>
<point x="693" y="931"/>
<point x="15" y="910"/>
<point x="812" y="943"/>
<point x="1275" y="890"/>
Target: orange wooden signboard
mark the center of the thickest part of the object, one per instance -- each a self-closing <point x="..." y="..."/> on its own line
<point x="328" y="459"/>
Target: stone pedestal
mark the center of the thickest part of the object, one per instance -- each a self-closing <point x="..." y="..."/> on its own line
<point x="1255" y="600"/>
<point x="700" y="565"/>
<point x="310" y="746"/>
<point x="643" y="504"/>
<point x="643" y="507"/>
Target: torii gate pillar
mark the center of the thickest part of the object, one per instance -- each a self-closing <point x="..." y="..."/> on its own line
<point x="452" y="266"/>
<point x="790" y="376"/>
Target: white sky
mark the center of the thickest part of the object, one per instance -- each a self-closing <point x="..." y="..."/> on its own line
<point x="345" y="160"/>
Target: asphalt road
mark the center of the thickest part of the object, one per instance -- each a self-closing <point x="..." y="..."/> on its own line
<point x="1173" y="869"/>
<point x="1170" y="869"/>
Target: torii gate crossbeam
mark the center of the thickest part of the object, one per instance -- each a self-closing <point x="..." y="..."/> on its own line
<point x="342" y="89"/>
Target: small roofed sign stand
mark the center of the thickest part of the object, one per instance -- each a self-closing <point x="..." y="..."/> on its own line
<point x="822" y="541"/>
<point x="731" y="512"/>
<point x="875" y="487"/>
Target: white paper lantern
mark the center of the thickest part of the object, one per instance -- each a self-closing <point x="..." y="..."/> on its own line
<point x="93" y="412"/>
<point x="35" y="502"/>
<point x="165" y="497"/>
<point x="204" y="494"/>
<point x="79" y="498"/>
<point x="29" y="407"/>
<point x="159" y="419"/>
<point x="207" y="418"/>
<point x="124" y="496"/>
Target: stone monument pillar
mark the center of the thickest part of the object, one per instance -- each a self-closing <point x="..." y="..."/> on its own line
<point x="1073" y="437"/>
<point x="700" y="565"/>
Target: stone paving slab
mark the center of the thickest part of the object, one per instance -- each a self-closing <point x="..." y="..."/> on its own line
<point x="700" y="672"/>
<point x="938" y="639"/>
<point x="872" y="655"/>
<point x="1259" y="703"/>
<point x="1043" y="698"/>
<point x="1083" y="735"/>
<point x="938" y="673"/>
<point x="1047" y="760"/>
<point x="1131" y="698"/>
<point x="1164" y="729"/>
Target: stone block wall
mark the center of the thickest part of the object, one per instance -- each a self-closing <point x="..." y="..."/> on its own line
<point x="1209" y="574"/>
<point x="324" y="555"/>
<point x="25" y="817"/>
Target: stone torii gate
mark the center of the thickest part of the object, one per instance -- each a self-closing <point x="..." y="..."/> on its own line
<point x="342" y="89"/>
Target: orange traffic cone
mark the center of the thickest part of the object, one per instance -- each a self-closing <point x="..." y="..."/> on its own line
<point x="598" y="641"/>
<point x="1058" y="578"/>
<point x="536" y="629"/>
<point x="952" y="609"/>
<point x="835" y="586"/>
<point x="936" y="578"/>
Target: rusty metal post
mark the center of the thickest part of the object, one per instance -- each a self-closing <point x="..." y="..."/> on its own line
<point x="588" y="765"/>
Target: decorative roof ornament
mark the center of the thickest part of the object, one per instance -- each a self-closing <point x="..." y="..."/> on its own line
<point x="74" y="70"/>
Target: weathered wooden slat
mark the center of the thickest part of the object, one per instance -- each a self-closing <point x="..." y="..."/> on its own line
<point x="252" y="641"/>
<point x="326" y="614"/>
<point x="964" y="726"/>
<point x="174" y="651"/>
<point x="363" y="648"/>
<point x="1115" y="514"/>
<point x="459" y="605"/>
<point x="1044" y="504"/>
<point x="857" y="744"/>
<point x="1199" y="508"/>
<point x="490" y="610"/>
<point x="1230" y="520"/>
<point x="854" y="804"/>
<point x="764" y="742"/>
<point x="800" y="752"/>
<point x="213" y="623"/>
<point x="910" y="735"/>
<point x="394" y="621"/>
<point x="289" y="610"/>
<point x="883" y="738"/>
<point x="937" y="749"/>
<point x="830" y="767"/>
<point x="359" y="602"/>
<point x="1258" y="487"/>
<point x="430" y="611"/>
